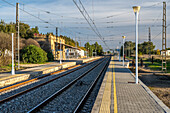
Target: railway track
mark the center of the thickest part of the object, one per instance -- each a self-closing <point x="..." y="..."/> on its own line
<point x="72" y="69"/>
<point x="46" y="75"/>
<point x="78" y="80"/>
<point x="26" y="97"/>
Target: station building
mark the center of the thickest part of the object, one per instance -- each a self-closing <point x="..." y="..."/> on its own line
<point x="59" y="48"/>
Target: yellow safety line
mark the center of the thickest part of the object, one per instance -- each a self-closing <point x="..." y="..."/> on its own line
<point x="106" y="99"/>
<point x="114" y="86"/>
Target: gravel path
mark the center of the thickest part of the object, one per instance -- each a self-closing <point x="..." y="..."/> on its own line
<point x="27" y="101"/>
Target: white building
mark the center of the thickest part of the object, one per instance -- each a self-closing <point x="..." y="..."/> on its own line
<point x="81" y="53"/>
<point x="72" y="53"/>
<point x="167" y="52"/>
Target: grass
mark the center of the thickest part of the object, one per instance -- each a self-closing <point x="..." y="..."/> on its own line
<point x="156" y="65"/>
<point x="5" y="68"/>
<point x="9" y="67"/>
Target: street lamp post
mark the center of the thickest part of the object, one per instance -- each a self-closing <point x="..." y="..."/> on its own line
<point x="123" y="48"/>
<point x="13" y="71"/>
<point x="119" y="50"/>
<point x="136" y="10"/>
<point x="60" y="52"/>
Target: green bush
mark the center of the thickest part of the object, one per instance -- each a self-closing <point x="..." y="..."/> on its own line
<point x="33" y="54"/>
<point x="50" y="56"/>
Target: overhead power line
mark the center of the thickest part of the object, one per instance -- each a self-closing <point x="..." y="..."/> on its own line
<point x="48" y="12"/>
<point x="91" y="23"/>
<point x="30" y="14"/>
<point x="44" y="21"/>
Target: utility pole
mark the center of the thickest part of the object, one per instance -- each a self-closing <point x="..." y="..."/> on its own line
<point x="17" y="56"/>
<point x="76" y="47"/>
<point x="56" y="31"/>
<point x="56" y="46"/>
<point x="149" y="43"/>
<point x="164" y="39"/>
<point x="129" y="51"/>
<point x="60" y="52"/>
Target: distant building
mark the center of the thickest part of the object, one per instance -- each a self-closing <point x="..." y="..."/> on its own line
<point x="167" y="52"/>
<point x="72" y="52"/>
<point x="39" y="35"/>
<point x="55" y="47"/>
<point x="66" y="51"/>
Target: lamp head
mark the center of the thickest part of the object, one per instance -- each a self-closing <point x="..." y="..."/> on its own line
<point x="136" y="9"/>
<point x="123" y="37"/>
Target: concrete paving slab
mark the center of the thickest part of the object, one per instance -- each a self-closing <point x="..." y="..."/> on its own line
<point x="131" y="97"/>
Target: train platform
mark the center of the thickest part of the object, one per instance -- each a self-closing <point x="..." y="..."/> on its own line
<point x="36" y="70"/>
<point x="119" y="93"/>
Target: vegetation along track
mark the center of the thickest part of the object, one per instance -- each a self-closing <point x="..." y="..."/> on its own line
<point x="15" y="102"/>
<point x="86" y="81"/>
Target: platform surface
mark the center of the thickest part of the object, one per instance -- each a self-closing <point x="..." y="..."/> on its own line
<point x="120" y="94"/>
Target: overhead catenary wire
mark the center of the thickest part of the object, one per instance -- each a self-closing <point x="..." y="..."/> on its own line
<point x="49" y="12"/>
<point x="89" y="21"/>
<point x="44" y="21"/>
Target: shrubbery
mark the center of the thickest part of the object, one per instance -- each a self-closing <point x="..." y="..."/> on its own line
<point x="33" y="54"/>
<point x="47" y="48"/>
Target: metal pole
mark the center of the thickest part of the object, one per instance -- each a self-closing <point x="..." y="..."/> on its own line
<point x="129" y="51"/>
<point x="13" y="70"/>
<point x="123" y="52"/>
<point x="17" y="22"/>
<point x="60" y="52"/>
<point x="136" y="15"/>
<point x="119" y="51"/>
<point x="76" y="47"/>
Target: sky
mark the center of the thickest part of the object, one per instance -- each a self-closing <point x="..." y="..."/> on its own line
<point x="113" y="19"/>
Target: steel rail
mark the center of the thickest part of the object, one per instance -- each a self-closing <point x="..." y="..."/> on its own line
<point x="43" y="103"/>
<point x="82" y="101"/>
<point x="45" y="75"/>
<point x="32" y="88"/>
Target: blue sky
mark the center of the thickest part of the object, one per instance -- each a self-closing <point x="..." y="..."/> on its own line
<point x="113" y="19"/>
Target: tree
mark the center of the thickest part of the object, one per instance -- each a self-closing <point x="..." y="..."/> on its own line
<point x="94" y="47"/>
<point x="27" y="42"/>
<point x="145" y="47"/>
<point x="5" y="47"/>
<point x="69" y="41"/>
<point x="33" y="54"/>
<point x="35" y="30"/>
<point x="108" y="52"/>
<point x="47" y="48"/>
<point x="158" y="52"/>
